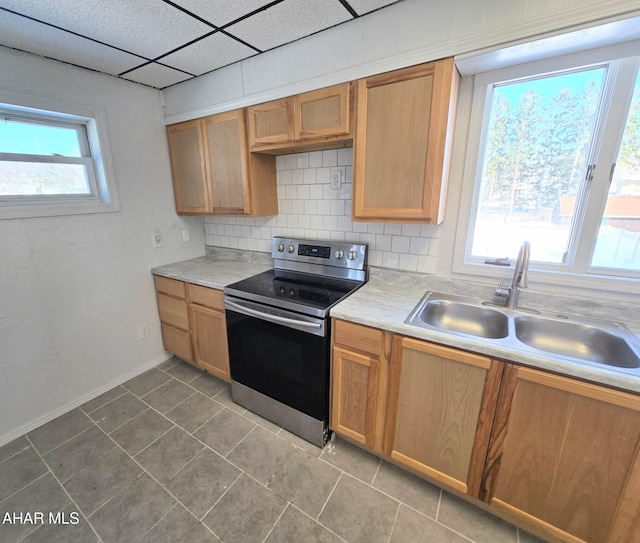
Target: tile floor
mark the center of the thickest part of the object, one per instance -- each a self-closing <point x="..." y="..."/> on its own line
<point x="169" y="457"/>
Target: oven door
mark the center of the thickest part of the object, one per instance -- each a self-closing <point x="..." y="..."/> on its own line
<point x="280" y="354"/>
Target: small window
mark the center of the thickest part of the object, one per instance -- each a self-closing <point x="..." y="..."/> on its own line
<point x="51" y="164"/>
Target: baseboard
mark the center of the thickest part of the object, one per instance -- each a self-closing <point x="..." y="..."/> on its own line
<point x="77" y="402"/>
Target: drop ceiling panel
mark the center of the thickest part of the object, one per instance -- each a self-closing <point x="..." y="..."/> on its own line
<point x="144" y="27"/>
<point x="220" y="13"/>
<point x="208" y="54"/>
<point x="156" y="75"/>
<point x="365" y="6"/>
<point x="27" y="35"/>
<point x="289" y="21"/>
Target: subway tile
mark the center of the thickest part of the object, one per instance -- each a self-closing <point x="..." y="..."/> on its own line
<point x="427" y="264"/>
<point x="330" y="222"/>
<point x="297" y="206"/>
<point x="375" y="258"/>
<point x="383" y="242"/>
<point x="310" y="207"/>
<point x="337" y="236"/>
<point x="419" y="246"/>
<point x="324" y="207"/>
<point x="303" y="192"/>
<point x="428" y="230"/>
<point x="292" y="221"/>
<point x="316" y="192"/>
<point x="411" y="229"/>
<point x="304" y="222"/>
<point x="310" y="176"/>
<point x="330" y="157"/>
<point x="315" y="159"/>
<point x="360" y="226"/>
<point x="284" y="177"/>
<point x="408" y="262"/>
<point x="290" y="162"/>
<point x="337" y="207"/>
<point x="374" y="227"/>
<point x="323" y="176"/>
<point x="345" y="224"/>
<point x="291" y="192"/>
<point x="400" y="244"/>
<point x="393" y="229"/>
<point x="345" y="156"/>
<point x="302" y="160"/>
<point x="390" y="260"/>
<point x="297" y="177"/>
<point x="280" y="162"/>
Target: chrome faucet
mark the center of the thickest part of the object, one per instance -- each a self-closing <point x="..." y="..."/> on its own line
<point x="520" y="278"/>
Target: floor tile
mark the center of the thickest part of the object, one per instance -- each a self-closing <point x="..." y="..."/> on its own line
<point x="202" y="481"/>
<point x="261" y="454"/>
<point x="20" y="470"/>
<point x="76" y="529"/>
<point x="184" y="372"/>
<point x="352" y="459"/>
<point x="169" y="454"/>
<point x="168" y="364"/>
<point x="117" y="412"/>
<point x="44" y="495"/>
<point x="473" y="522"/>
<point x="208" y="385"/>
<point x="14" y="447"/>
<point x="408" y="488"/>
<point x="224" y="431"/>
<point x="224" y="397"/>
<point x="146" y="382"/>
<point x="298" y="441"/>
<point x="261" y="421"/>
<point x="245" y="513"/>
<point x="359" y="513"/>
<point x="141" y="431"/>
<point x="133" y="512"/>
<point x="179" y="527"/>
<point x="294" y="526"/>
<point x="78" y="453"/>
<point x="411" y="526"/>
<point x="304" y="481"/>
<point x="59" y="430"/>
<point x="93" y="486"/>
<point x="194" y="412"/>
<point x="167" y="396"/>
<point x="103" y="399"/>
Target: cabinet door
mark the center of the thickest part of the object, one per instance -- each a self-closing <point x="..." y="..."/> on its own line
<point x="441" y="405"/>
<point x="403" y="132"/>
<point x="227" y="162"/>
<point x="210" y="340"/>
<point x="271" y="122"/>
<point x="561" y="454"/>
<point x="354" y="395"/>
<point x="322" y="113"/>
<point x="190" y="184"/>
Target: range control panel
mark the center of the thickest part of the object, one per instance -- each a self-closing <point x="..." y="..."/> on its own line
<point x="328" y="253"/>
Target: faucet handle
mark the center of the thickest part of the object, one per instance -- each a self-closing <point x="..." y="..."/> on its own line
<point x="502" y="291"/>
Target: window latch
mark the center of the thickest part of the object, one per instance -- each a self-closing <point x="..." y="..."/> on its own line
<point x="589" y="175"/>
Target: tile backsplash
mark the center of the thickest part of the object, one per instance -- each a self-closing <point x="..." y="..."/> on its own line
<point x="310" y="208"/>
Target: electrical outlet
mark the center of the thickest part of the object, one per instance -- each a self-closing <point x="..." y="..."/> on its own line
<point x="336" y="178"/>
<point x="156" y="239"/>
<point x="143" y="330"/>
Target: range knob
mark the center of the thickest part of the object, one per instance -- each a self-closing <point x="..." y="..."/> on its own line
<point x="339" y="254"/>
<point x="291" y="248"/>
<point x="353" y="255"/>
<point x="280" y="247"/>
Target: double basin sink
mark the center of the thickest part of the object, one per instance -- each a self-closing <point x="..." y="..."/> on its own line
<point x="546" y="334"/>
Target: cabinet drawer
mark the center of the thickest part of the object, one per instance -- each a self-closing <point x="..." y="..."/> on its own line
<point x="173" y="311"/>
<point x="177" y="342"/>
<point x="209" y="297"/>
<point x="170" y="286"/>
<point x="358" y="337"/>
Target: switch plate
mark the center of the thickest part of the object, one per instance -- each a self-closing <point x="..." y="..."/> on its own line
<point x="156" y="239"/>
<point x="185" y="235"/>
<point x="143" y="331"/>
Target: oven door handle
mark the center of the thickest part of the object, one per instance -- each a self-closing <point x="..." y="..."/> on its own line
<point x="271" y="318"/>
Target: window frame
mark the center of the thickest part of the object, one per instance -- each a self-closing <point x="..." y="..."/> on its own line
<point x="578" y="272"/>
<point x="94" y="143"/>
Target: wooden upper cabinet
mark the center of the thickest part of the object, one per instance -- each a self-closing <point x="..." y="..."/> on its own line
<point x="322" y="113"/>
<point x="441" y="406"/>
<point x="188" y="167"/>
<point x="311" y="120"/>
<point x="564" y="458"/>
<point x="228" y="180"/>
<point x="402" y="144"/>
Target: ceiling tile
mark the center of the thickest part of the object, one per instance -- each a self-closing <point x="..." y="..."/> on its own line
<point x="365" y="6"/>
<point x="219" y="12"/>
<point x="288" y="21"/>
<point x="144" y="27"/>
<point x="156" y="75"/>
<point x="39" y="39"/>
<point x="208" y="54"/>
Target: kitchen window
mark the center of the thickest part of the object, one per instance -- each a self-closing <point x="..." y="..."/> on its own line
<point x="557" y="144"/>
<point x="53" y="163"/>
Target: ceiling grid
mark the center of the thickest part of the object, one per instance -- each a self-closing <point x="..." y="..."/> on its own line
<point x="160" y="43"/>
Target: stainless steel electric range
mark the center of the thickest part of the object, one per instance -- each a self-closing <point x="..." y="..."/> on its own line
<point x="278" y="329"/>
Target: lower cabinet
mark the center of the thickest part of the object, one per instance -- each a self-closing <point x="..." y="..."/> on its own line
<point x="193" y="324"/>
<point x="555" y="455"/>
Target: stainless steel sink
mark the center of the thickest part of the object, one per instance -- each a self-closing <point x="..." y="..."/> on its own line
<point x="584" y="341"/>
<point x="465" y="318"/>
<point x="548" y="335"/>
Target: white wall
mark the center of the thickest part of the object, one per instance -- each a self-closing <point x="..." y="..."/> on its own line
<point x="73" y="289"/>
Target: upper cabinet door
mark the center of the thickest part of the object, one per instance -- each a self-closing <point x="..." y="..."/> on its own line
<point x="226" y="160"/>
<point x="271" y="122"/>
<point x="404" y="128"/>
<point x="322" y="113"/>
<point x="188" y="167"/>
